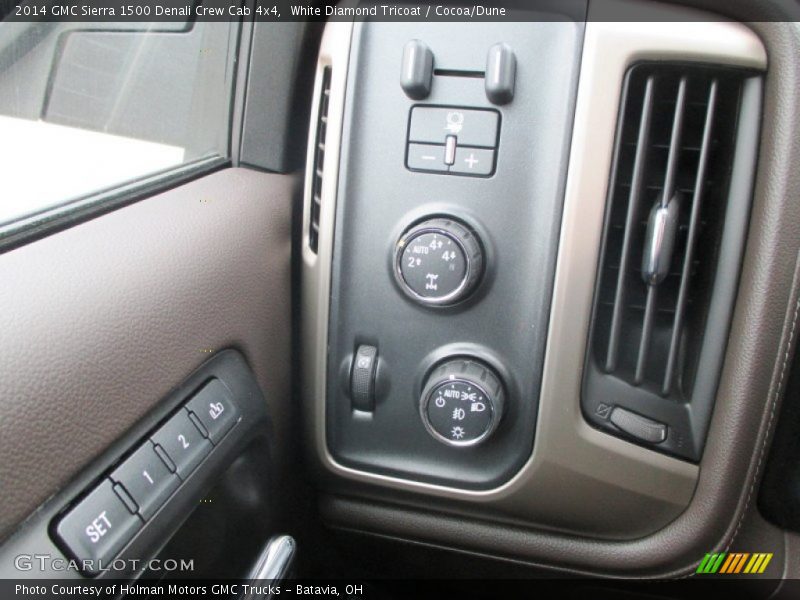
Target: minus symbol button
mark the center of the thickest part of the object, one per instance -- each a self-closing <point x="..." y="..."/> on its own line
<point x="426" y="157"/>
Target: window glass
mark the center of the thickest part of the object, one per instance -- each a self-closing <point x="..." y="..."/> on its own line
<point x="86" y="107"/>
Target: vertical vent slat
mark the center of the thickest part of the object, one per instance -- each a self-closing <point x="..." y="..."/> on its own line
<point x="666" y="195"/>
<point x="637" y="185"/>
<point x="317" y="168"/>
<point x="675" y="143"/>
<point x="647" y="333"/>
<point x="691" y="242"/>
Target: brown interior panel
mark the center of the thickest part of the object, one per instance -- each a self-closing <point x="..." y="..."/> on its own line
<point x="100" y="321"/>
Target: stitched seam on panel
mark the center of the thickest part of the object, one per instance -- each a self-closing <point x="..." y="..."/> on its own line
<point x="775" y="397"/>
<point x="774" y="402"/>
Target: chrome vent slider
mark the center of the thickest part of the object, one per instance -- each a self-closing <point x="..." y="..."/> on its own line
<point x="659" y="241"/>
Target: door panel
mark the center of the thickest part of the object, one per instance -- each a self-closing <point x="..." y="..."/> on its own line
<point x="99" y="322"/>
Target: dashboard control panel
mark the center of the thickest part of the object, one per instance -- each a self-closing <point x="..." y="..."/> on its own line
<point x="440" y="287"/>
<point x="554" y="89"/>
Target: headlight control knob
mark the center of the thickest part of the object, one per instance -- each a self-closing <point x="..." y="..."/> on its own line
<point x="438" y="261"/>
<point x="462" y="402"/>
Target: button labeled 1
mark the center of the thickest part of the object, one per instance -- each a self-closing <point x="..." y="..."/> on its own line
<point x="98" y="528"/>
<point x="146" y="478"/>
<point x="214" y="406"/>
<point x="183" y="443"/>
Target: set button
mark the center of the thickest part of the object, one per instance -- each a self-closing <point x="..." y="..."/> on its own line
<point x="98" y="528"/>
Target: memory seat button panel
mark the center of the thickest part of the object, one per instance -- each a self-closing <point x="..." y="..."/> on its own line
<point x="101" y="524"/>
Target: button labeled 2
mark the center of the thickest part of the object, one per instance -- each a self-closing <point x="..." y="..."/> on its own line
<point x="183" y="443"/>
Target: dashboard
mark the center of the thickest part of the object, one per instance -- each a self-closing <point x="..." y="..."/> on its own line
<point x="522" y="249"/>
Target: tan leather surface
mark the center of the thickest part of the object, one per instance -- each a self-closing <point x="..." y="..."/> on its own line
<point x="99" y="322"/>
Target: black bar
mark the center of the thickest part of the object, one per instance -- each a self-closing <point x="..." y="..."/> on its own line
<point x="694" y="225"/>
<point x="630" y="223"/>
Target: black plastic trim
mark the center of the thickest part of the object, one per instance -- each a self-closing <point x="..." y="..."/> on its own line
<point x="73" y="212"/>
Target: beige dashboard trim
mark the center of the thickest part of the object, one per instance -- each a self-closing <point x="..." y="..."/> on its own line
<point x="577" y="479"/>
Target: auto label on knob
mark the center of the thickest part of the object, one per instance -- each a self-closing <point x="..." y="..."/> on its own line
<point x="459" y="412"/>
<point x="438" y="261"/>
<point x="433" y="265"/>
<point x="462" y="402"/>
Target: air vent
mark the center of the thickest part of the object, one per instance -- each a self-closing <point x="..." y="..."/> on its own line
<point x="678" y="203"/>
<point x="319" y="160"/>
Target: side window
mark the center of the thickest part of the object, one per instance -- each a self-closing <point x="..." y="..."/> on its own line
<point x="86" y="107"/>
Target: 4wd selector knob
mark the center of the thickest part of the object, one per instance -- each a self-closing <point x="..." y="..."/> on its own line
<point x="462" y="402"/>
<point x="438" y="261"/>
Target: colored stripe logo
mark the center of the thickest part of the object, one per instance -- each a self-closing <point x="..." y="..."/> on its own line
<point x="731" y="563"/>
